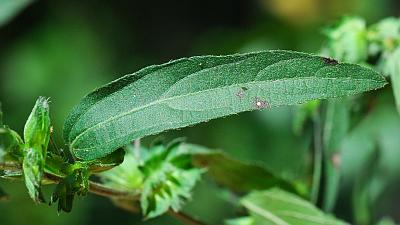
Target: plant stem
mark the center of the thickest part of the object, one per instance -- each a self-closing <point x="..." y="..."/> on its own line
<point x="101" y="190"/>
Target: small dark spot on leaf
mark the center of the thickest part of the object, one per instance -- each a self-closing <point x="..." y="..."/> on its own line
<point x="260" y="104"/>
<point x="330" y="61"/>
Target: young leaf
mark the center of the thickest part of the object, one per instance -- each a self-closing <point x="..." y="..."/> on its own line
<point x="277" y="207"/>
<point x="37" y="127"/>
<point x="169" y="180"/>
<point x="193" y="90"/>
<point x="36" y="136"/>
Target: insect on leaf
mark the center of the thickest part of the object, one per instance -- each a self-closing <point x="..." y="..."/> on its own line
<point x="191" y="90"/>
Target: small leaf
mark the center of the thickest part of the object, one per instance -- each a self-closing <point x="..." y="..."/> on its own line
<point x="169" y="180"/>
<point x="237" y="175"/>
<point x="277" y="207"/>
<point x="192" y="90"/>
<point x="37" y="127"/>
<point x="36" y="136"/>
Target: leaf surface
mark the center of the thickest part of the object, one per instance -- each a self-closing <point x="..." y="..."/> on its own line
<point x="277" y="207"/>
<point x="238" y="176"/>
<point x="197" y="89"/>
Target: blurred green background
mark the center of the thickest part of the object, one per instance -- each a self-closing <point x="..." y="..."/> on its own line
<point x="65" y="49"/>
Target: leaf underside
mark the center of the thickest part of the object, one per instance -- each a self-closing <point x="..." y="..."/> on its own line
<point x="193" y="90"/>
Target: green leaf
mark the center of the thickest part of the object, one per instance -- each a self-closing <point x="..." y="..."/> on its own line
<point x="347" y="40"/>
<point x="36" y="136"/>
<point x="169" y="180"/>
<point x="10" y="8"/>
<point x="37" y="127"/>
<point x="237" y="175"/>
<point x="336" y="126"/>
<point x="193" y="90"/>
<point x="277" y="207"/>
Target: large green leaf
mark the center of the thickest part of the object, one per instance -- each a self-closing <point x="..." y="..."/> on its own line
<point x="193" y="90"/>
<point x="277" y="207"/>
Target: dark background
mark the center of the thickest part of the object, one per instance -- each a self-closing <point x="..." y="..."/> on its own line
<point x="65" y="49"/>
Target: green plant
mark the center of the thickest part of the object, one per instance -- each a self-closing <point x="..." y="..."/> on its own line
<point x="159" y="178"/>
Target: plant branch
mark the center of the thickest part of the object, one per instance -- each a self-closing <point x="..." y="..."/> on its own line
<point x="101" y="190"/>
